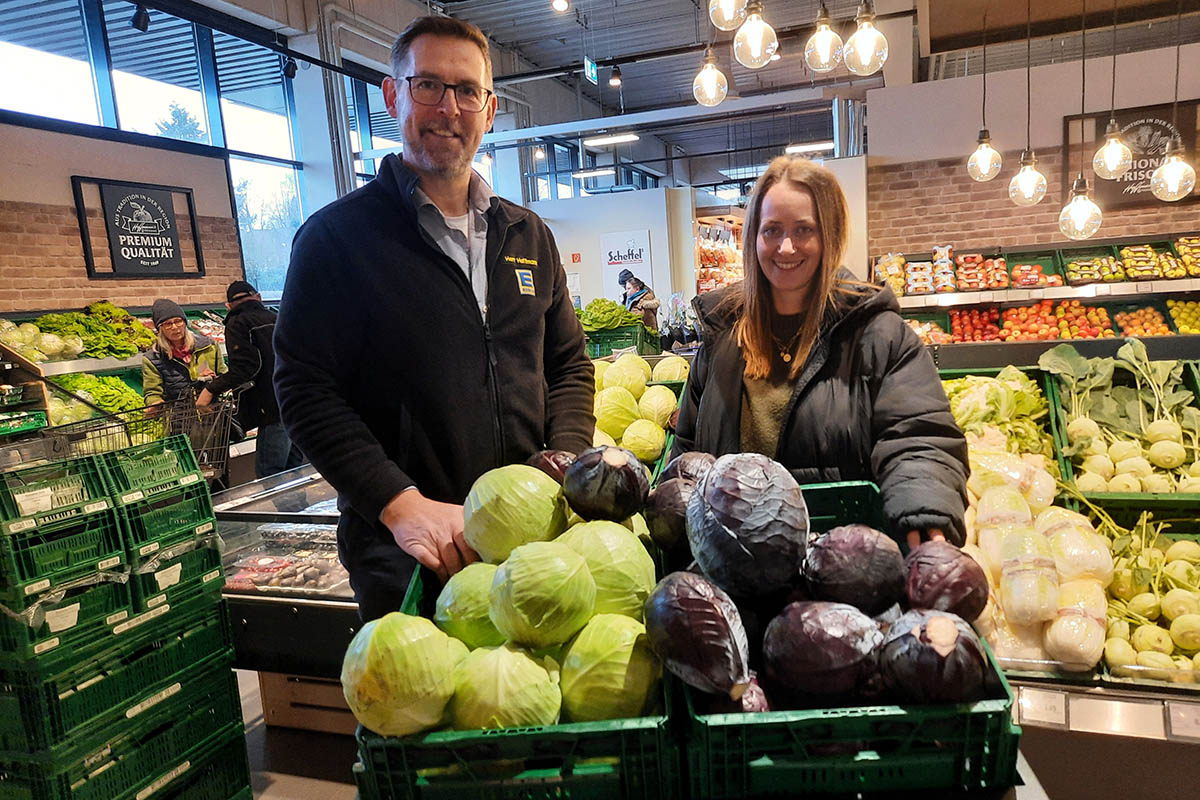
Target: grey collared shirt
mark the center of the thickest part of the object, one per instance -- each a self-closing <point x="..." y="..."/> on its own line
<point x="463" y="241"/>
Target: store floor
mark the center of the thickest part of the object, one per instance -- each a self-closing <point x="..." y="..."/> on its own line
<point x="290" y="764"/>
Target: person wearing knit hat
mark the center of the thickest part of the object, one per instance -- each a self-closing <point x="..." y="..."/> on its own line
<point x="180" y="360"/>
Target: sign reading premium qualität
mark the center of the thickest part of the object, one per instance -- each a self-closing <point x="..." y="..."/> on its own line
<point x="144" y="239"/>
<point x="1146" y="131"/>
<point x="142" y="234"/>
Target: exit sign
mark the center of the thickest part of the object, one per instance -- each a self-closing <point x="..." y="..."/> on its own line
<point x="589" y="71"/>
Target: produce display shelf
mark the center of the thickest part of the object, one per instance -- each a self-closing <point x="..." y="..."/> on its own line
<point x="1130" y="711"/>
<point x="50" y="368"/>
<point x="15" y="422"/>
<point x="1158" y="286"/>
<point x="612" y="760"/>
<point x="968" y="746"/>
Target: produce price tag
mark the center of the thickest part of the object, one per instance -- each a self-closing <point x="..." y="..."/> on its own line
<point x="1101" y="289"/>
<point x="1036" y="294"/>
<point x="986" y="296"/>
<point x="1184" y="719"/>
<point x="1145" y="287"/>
<point x="1018" y="294"/>
<point x="1039" y="706"/>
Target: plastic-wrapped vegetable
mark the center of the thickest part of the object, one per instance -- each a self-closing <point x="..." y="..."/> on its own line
<point x="1016" y="642"/>
<point x="1028" y="582"/>
<point x="1079" y="552"/>
<point x="990" y="470"/>
<point x="1075" y="637"/>
<point x="1003" y="505"/>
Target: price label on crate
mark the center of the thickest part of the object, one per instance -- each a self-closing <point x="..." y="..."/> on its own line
<point x="1184" y="720"/>
<point x="1043" y="707"/>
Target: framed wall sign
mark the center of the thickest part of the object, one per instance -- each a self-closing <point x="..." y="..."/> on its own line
<point x="142" y="231"/>
<point x="1146" y="131"/>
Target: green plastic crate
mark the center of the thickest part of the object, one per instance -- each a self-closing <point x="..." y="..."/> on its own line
<point x="80" y="617"/>
<point x="175" y="578"/>
<point x="602" y="343"/>
<point x="42" y="558"/>
<point x="146" y="470"/>
<point x="22" y="422"/>
<point x="43" y="709"/>
<point x="614" y="760"/>
<point x="219" y="772"/>
<point x="1066" y="256"/>
<point x="1158" y="305"/>
<point x="166" y="519"/>
<point x="870" y="748"/>
<point x="52" y="492"/>
<point x="1114" y="502"/>
<point x="674" y="386"/>
<point x="1047" y="259"/>
<point x="138" y="751"/>
<point x="663" y="459"/>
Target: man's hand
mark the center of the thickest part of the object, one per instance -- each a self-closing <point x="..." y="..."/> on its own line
<point x="933" y="535"/>
<point x="429" y="531"/>
<point x="205" y="397"/>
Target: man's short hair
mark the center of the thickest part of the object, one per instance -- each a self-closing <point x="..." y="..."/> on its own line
<point x="439" y="26"/>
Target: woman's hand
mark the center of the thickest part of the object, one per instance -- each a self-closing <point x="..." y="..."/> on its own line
<point x="931" y="535"/>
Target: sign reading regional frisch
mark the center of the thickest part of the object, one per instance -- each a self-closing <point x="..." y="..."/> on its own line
<point x="142" y="235"/>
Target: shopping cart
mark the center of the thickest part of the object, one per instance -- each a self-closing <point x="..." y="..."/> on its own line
<point x="206" y="427"/>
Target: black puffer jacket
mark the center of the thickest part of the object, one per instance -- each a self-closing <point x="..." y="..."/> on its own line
<point x="248" y="331"/>
<point x="867" y="406"/>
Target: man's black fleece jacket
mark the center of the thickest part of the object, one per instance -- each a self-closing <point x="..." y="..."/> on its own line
<point x="389" y="376"/>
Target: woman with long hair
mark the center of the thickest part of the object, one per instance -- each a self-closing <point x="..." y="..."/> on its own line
<point x="180" y="361"/>
<point x="807" y="365"/>
<point x="639" y="299"/>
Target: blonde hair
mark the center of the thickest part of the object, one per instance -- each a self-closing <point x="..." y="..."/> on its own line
<point x="754" y="305"/>
<point x="164" y="346"/>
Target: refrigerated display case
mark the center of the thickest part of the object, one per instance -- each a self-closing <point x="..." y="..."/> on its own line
<point x="285" y="586"/>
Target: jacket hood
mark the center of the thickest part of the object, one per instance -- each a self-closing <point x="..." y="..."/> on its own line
<point x="717" y="312"/>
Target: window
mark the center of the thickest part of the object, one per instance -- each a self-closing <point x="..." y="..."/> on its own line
<point x="253" y="98"/>
<point x="268" y="211"/>
<point x="44" y="58"/>
<point x="156" y="75"/>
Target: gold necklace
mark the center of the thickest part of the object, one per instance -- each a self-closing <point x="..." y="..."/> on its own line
<point x="785" y="350"/>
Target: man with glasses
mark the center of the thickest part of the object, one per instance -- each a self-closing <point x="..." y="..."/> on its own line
<point x="426" y="334"/>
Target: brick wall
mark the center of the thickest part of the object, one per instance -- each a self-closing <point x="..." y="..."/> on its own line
<point x="913" y="206"/>
<point x="42" y="265"/>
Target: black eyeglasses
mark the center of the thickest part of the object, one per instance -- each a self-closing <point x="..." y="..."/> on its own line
<point x="430" y="91"/>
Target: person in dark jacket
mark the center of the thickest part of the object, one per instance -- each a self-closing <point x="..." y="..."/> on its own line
<point x="426" y="334"/>
<point x="180" y="361"/>
<point x="808" y="366"/>
<point x="249" y="327"/>
<point x="639" y="299"/>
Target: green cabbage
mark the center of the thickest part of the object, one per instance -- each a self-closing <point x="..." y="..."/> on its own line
<point x="627" y="375"/>
<point x="633" y="358"/>
<point x="462" y="607"/>
<point x="504" y="687"/>
<point x="615" y="409"/>
<point x="609" y="670"/>
<point x="398" y="674"/>
<point x="657" y="405"/>
<point x="600" y="366"/>
<point x="599" y="437"/>
<point x="510" y="506"/>
<point x="542" y="595"/>
<point x="645" y="440"/>
<point x="619" y="565"/>
<point x="671" y="368"/>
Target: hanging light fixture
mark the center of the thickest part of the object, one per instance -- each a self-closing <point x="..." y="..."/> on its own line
<point x="727" y="14"/>
<point x="1080" y="217"/>
<point x="824" y="49"/>
<point x="560" y="5"/>
<point x="867" y="49"/>
<point x="1114" y="158"/>
<point x="1028" y="186"/>
<point x="984" y="164"/>
<point x="539" y="153"/>
<point x="614" y="79"/>
<point x="710" y="85"/>
<point x="1175" y="178"/>
<point x="141" y="19"/>
<point x="755" y="41"/>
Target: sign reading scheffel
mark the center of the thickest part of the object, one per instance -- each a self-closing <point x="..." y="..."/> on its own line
<point x="142" y="235"/>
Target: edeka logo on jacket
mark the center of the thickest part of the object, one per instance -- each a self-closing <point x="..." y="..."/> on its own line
<point x="524" y="276"/>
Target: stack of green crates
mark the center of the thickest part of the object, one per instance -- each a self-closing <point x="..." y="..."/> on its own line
<point x="115" y="645"/>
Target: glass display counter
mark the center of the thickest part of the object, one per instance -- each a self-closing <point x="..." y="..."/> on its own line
<point x="290" y="600"/>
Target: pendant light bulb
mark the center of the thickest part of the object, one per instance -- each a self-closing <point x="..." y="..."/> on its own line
<point x="824" y="49"/>
<point x="867" y="49"/>
<point x="984" y="164"/>
<point x="710" y="85"/>
<point x="560" y="5"/>
<point x="1080" y="217"/>
<point x="755" y="41"/>
<point x="1114" y="157"/>
<point x="1028" y="186"/>
<point x="1175" y="178"/>
<point x="727" y="14"/>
